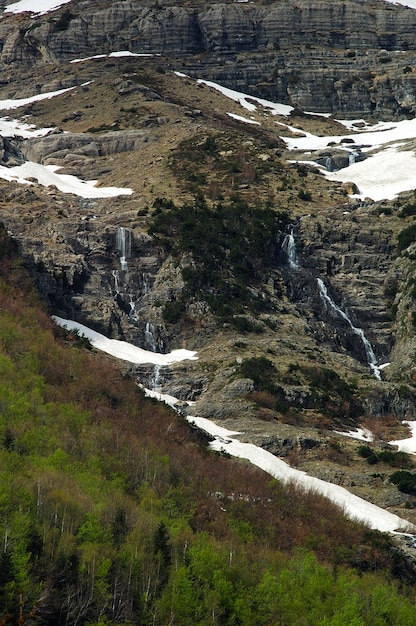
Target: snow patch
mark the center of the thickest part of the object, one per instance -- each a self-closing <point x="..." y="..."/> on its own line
<point x="121" y="53"/>
<point x="6" y="105"/>
<point x="38" y="7"/>
<point x="122" y="349"/>
<point x="353" y="506"/>
<point x="362" y="434"/>
<point x="48" y="176"/>
<point x="407" y="445"/>
<point x="240" y="118"/>
<point x="14" y="128"/>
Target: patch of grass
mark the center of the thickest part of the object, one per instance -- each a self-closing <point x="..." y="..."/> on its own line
<point x="104" y="128"/>
<point x="173" y="311"/>
<point x="217" y="165"/>
<point x="330" y="393"/>
<point x="245" y="325"/>
<point x="407" y="210"/>
<point x="262" y="372"/>
<point x="64" y="20"/>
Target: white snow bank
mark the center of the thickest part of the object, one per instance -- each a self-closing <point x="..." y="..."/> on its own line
<point x="406" y="3"/>
<point x="240" y="118"/>
<point x="382" y="176"/>
<point x="352" y="505"/>
<point x="35" y="6"/>
<point x="407" y="445"/>
<point x="122" y="349"/>
<point x="14" y="103"/>
<point x="372" y="137"/>
<point x="246" y="101"/>
<point x="47" y="176"/>
<point x="121" y="53"/>
<point x="161" y="397"/>
<point x="384" y="173"/>
<point x="14" y="128"/>
<point x="362" y="434"/>
<point x="127" y="53"/>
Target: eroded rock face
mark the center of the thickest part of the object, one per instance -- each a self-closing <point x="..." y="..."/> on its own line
<point x="104" y="271"/>
<point x="55" y="148"/>
<point x="352" y="251"/>
<point x="94" y="261"/>
<point x="321" y="55"/>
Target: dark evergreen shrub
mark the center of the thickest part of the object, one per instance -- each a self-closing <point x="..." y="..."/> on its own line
<point x="405" y="481"/>
<point x="406" y="237"/>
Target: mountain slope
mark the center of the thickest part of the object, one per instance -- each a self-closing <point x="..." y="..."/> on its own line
<point x="113" y="512"/>
<point x="195" y="256"/>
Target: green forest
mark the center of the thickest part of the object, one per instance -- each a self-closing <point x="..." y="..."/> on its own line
<point x="113" y="511"/>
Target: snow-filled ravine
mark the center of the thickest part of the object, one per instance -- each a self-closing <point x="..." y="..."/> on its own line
<point x="225" y="440"/>
<point x="122" y="349"/>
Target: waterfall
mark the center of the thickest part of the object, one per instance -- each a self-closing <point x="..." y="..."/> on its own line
<point x="156" y="381"/>
<point x="132" y="308"/>
<point x="123" y="244"/>
<point x="329" y="164"/>
<point x="289" y="248"/>
<point x="351" y="158"/>
<point x="371" y="357"/>
<point x="149" y="336"/>
<point x="146" y="288"/>
<point x="116" y="281"/>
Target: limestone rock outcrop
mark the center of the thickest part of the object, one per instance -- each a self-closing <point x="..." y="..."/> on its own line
<point x="322" y="55"/>
<point x="94" y="261"/>
<point x="56" y="147"/>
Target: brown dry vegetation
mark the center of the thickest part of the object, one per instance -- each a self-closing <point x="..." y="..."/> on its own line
<point x="88" y="448"/>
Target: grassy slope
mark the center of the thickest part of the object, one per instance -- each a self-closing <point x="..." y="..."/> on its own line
<point x="111" y="511"/>
<point x="90" y="470"/>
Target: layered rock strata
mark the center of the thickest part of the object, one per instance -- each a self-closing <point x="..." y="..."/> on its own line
<point x="321" y="55"/>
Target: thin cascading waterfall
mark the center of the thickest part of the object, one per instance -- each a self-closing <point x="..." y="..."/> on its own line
<point x="116" y="281"/>
<point x="351" y="158"/>
<point x="156" y="381"/>
<point x="289" y="247"/>
<point x="371" y="357"/>
<point x="149" y="336"/>
<point x="132" y="308"/>
<point x="123" y="244"/>
<point x="329" y="164"/>
<point x="146" y="288"/>
<point x="121" y="276"/>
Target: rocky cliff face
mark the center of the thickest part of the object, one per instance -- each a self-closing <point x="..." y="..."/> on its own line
<point x="295" y="361"/>
<point x="317" y="55"/>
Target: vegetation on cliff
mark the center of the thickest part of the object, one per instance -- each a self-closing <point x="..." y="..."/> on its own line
<point x="112" y="511"/>
<point x="230" y="246"/>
